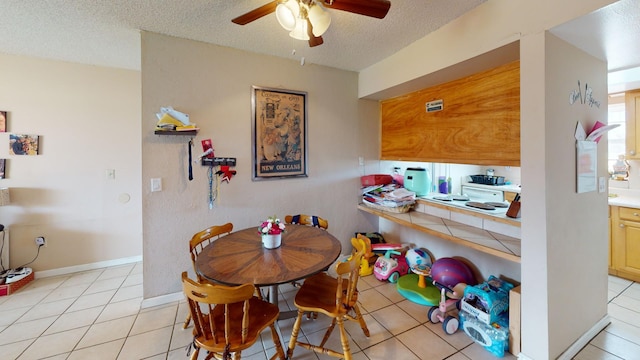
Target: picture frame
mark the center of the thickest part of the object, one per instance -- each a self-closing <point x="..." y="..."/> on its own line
<point x="3" y="121"/>
<point x="22" y="144"/>
<point x="278" y="133"/>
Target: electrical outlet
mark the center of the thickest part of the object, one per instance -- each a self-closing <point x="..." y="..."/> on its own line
<point x="40" y="241"/>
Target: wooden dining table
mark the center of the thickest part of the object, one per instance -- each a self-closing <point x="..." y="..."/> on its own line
<point x="239" y="258"/>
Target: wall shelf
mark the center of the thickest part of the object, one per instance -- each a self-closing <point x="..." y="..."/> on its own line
<point x="174" y="132"/>
<point x="501" y="246"/>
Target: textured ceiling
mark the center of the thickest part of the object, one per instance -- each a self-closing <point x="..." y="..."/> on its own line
<point x="612" y="34"/>
<point x="107" y="32"/>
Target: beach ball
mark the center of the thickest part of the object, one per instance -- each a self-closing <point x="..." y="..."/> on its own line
<point x="451" y="272"/>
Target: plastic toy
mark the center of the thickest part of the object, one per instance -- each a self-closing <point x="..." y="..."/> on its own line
<point x="449" y="272"/>
<point x="418" y="257"/>
<point x="409" y="287"/>
<point x="365" y="266"/>
<point x="390" y="268"/>
<point x="447" y="306"/>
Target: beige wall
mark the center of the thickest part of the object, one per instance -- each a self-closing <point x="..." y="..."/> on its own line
<point x="213" y="85"/>
<point x="88" y="121"/>
<point x="564" y="233"/>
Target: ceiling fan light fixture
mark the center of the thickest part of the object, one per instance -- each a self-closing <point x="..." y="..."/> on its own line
<point x="287" y="13"/>
<point x="320" y="19"/>
<point x="300" y="31"/>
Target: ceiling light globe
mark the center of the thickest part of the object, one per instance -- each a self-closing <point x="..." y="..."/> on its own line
<point x="320" y="19"/>
<point x="286" y="13"/>
<point x="300" y="31"/>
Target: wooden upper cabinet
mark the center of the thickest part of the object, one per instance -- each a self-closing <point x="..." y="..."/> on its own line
<point x="632" y="124"/>
<point x="479" y="123"/>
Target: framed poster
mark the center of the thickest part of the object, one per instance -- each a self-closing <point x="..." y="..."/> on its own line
<point x="23" y="144"/>
<point x="279" y="133"/>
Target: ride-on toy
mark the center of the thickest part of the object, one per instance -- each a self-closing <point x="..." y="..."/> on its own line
<point x="442" y="312"/>
<point x="390" y="268"/>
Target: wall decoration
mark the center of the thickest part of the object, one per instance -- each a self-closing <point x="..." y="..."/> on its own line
<point x="586" y="98"/>
<point x="279" y="133"/>
<point x="3" y="121"/>
<point x="23" y="144"/>
<point x="3" y="164"/>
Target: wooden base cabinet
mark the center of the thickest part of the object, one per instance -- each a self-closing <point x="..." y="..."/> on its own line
<point x="625" y="242"/>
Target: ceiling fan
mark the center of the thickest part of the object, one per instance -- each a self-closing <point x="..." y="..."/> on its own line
<point x="306" y="19"/>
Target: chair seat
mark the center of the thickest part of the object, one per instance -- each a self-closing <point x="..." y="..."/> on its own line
<point x="319" y="294"/>
<point x="261" y="314"/>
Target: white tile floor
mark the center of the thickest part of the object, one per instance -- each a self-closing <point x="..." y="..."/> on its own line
<point x="96" y="315"/>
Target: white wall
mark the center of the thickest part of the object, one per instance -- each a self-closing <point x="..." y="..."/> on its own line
<point x="213" y="85"/>
<point x="88" y="119"/>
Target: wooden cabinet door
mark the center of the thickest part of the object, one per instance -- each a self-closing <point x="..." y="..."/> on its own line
<point x="626" y="244"/>
<point x="632" y="123"/>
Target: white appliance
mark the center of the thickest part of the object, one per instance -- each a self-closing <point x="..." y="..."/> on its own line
<point x="483" y="194"/>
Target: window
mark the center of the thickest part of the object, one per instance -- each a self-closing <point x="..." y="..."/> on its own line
<point x="616" y="136"/>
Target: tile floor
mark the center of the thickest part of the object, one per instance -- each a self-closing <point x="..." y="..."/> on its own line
<point x="96" y="315"/>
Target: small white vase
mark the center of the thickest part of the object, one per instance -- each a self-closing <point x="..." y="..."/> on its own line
<point x="271" y="241"/>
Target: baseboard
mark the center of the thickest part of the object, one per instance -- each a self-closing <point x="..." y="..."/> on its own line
<point x="162" y="300"/>
<point x="575" y="348"/>
<point x="85" y="267"/>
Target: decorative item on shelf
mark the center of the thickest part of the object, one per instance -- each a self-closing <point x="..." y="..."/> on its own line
<point x="173" y="121"/>
<point x="271" y="231"/>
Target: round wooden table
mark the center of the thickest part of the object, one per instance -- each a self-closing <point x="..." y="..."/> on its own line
<point x="239" y="258"/>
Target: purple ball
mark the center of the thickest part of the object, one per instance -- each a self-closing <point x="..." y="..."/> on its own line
<point x="451" y="272"/>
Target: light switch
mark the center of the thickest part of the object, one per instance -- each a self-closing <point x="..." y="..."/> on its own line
<point x="602" y="184"/>
<point x="156" y="184"/>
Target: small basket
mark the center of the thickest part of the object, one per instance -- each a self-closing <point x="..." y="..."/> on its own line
<point x="394" y="209"/>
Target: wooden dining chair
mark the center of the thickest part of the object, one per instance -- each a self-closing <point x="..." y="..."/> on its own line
<point x="334" y="297"/>
<point x="228" y="319"/>
<point x="310" y="220"/>
<point x="198" y="241"/>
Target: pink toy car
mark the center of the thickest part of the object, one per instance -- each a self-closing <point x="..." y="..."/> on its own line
<point x="390" y="268"/>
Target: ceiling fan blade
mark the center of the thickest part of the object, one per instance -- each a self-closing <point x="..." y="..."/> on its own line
<point x="256" y="14"/>
<point x="313" y="40"/>
<point x="374" y="8"/>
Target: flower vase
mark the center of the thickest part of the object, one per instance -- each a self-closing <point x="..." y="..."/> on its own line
<point x="271" y="241"/>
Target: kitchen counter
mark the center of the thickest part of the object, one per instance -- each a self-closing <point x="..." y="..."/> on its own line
<point x="491" y="233"/>
<point x="624" y="197"/>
